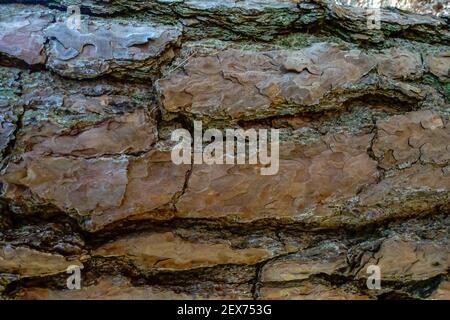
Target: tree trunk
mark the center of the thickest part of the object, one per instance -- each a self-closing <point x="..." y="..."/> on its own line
<point x="361" y="99"/>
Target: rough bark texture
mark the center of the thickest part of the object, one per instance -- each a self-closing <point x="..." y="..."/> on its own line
<point x="87" y="179"/>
